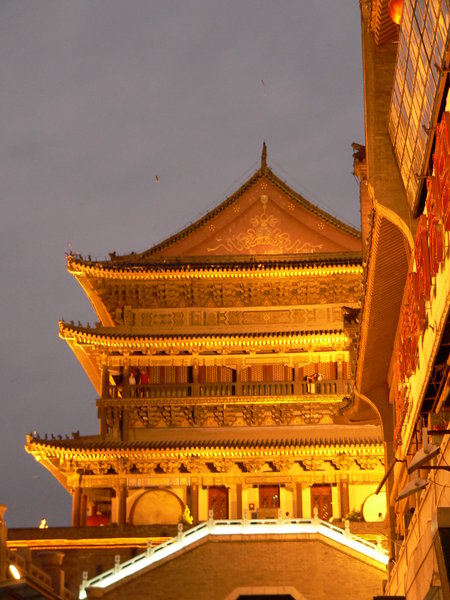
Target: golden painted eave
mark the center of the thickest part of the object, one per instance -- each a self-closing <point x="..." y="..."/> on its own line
<point x="68" y="450"/>
<point x="317" y="266"/>
<point x="297" y="340"/>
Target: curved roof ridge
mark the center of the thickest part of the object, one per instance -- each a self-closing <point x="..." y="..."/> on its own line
<point x="225" y="263"/>
<point x="263" y="171"/>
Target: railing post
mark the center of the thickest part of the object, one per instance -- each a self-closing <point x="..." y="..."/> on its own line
<point x="280" y="517"/>
<point x="84" y="580"/>
<point x="245" y="519"/>
<point x="210" y="519"/>
<point x="180" y="533"/>
<point x="347" y="532"/>
<point x="315" y="520"/>
<point x="149" y="551"/>
<point x="116" y="564"/>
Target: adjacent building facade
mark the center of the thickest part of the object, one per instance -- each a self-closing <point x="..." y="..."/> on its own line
<point x="403" y="363"/>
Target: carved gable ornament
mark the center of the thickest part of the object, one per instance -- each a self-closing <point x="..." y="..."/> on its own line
<point x="264" y="217"/>
<point x="264" y="235"/>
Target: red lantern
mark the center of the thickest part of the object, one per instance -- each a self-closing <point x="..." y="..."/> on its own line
<point x="395" y="8"/>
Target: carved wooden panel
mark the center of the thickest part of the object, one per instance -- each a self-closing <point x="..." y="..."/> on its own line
<point x="207" y="293"/>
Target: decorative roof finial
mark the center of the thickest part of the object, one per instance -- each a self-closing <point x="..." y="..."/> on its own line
<point x="264" y="157"/>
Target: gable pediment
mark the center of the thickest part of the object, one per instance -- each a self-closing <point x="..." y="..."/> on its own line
<point x="264" y="217"/>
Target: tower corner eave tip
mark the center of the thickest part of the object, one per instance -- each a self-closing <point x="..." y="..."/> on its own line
<point x="63" y="330"/>
<point x="73" y="265"/>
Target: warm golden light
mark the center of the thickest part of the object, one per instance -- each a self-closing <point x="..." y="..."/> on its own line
<point x="14" y="571"/>
<point x="395" y="9"/>
<point x="79" y="268"/>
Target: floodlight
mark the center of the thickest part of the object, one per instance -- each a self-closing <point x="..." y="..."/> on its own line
<point x="415" y="485"/>
<point x="423" y="456"/>
<point x="426" y="453"/>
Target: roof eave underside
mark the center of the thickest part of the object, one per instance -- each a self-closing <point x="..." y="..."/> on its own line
<point x="388" y="268"/>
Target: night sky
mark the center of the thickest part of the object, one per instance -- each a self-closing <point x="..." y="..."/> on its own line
<point x="98" y="100"/>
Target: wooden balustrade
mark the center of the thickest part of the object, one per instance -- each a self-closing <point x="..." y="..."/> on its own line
<point x="221" y="390"/>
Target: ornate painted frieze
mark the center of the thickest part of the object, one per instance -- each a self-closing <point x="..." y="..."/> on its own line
<point x="220" y="415"/>
<point x="273" y="291"/>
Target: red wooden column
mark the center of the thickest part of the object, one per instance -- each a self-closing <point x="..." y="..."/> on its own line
<point x="104" y="396"/>
<point x="239" y="501"/>
<point x="298" y="510"/>
<point x="83" y="509"/>
<point x="195" y="388"/>
<point x="125" y="397"/>
<point x="192" y="500"/>
<point x="122" y="501"/>
<point x="345" y="500"/>
<point x="76" y="506"/>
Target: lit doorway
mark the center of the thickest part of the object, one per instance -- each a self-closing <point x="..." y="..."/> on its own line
<point x="218" y="501"/>
<point x="321" y="499"/>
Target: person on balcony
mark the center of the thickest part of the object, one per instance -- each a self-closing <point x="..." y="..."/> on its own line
<point x="318" y="384"/>
<point x="311" y="383"/>
<point x="132" y="384"/>
<point x="143" y="382"/>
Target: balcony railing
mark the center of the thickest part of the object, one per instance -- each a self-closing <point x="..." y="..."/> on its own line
<point x="326" y="387"/>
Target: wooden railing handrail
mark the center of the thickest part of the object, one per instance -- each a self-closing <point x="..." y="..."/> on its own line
<point x="227" y="389"/>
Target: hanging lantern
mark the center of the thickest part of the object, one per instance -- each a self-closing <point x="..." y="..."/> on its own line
<point x="395" y="8"/>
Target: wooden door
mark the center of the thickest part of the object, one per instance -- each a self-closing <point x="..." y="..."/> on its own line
<point x="269" y="496"/>
<point x="321" y="499"/>
<point x="218" y="501"/>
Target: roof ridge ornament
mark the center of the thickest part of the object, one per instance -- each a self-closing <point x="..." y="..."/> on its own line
<point x="264" y="158"/>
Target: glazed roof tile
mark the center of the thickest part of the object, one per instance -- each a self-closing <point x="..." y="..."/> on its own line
<point x="222" y="265"/>
<point x="66" y="328"/>
<point x="257" y="437"/>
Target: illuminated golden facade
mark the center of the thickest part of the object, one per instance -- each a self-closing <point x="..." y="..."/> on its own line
<point x="223" y="363"/>
<point x="403" y="362"/>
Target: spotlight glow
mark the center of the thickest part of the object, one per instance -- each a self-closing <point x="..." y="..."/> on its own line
<point x="14" y="571"/>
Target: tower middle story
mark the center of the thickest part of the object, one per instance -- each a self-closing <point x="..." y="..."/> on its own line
<point x="223" y="362"/>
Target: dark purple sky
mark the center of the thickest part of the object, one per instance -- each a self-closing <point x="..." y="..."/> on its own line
<point x="100" y="96"/>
